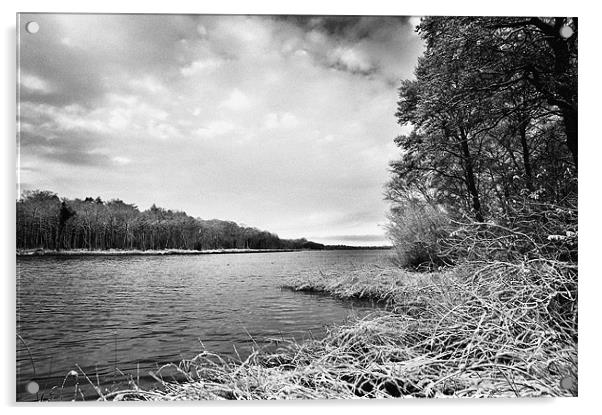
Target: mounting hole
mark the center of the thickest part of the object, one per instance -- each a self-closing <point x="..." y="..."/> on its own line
<point x="566" y="31"/>
<point x="32" y="27"/>
<point x="32" y="387"/>
<point x="567" y="382"/>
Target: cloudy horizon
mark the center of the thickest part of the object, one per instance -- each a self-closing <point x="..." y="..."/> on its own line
<point x="284" y="123"/>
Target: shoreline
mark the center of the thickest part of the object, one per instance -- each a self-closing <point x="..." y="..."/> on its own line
<point x="160" y="252"/>
<point x="138" y="252"/>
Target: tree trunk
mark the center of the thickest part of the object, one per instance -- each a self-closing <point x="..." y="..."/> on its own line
<point x="470" y="178"/>
<point x="522" y="129"/>
<point x="570" y="126"/>
<point x="563" y="86"/>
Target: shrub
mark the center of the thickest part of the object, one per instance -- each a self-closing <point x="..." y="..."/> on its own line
<point x="529" y="230"/>
<point x="415" y="228"/>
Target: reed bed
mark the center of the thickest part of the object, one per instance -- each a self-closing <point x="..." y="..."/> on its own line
<point x="495" y="329"/>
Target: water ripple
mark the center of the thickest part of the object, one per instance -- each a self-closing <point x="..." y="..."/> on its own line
<point x="108" y="313"/>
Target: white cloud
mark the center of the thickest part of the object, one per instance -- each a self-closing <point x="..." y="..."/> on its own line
<point x="301" y="53"/>
<point x="352" y="59"/>
<point x="246" y="35"/>
<point x="201" y="66"/>
<point x="236" y="101"/>
<point x="201" y="30"/>
<point x="316" y="37"/>
<point x="34" y="83"/>
<point x="162" y="131"/>
<point x="280" y="120"/>
<point x="122" y="115"/>
<point x="148" y="84"/>
<point x="54" y="120"/>
<point x="329" y="138"/>
<point x="215" y="129"/>
<point x="121" y="161"/>
<point x="118" y="120"/>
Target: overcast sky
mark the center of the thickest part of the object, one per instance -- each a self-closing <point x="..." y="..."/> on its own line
<point x="282" y="123"/>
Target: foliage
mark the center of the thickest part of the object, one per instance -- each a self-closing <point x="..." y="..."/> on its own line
<point x="416" y="228"/>
<point x="532" y="230"/>
<point x="492" y="113"/>
<point x="44" y="221"/>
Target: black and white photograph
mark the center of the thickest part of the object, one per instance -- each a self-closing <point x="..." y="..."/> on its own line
<point x="295" y="207"/>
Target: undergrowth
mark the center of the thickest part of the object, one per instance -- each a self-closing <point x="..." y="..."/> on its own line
<point x="495" y="329"/>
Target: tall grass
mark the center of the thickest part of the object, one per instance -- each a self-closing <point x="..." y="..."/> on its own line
<point x="496" y="329"/>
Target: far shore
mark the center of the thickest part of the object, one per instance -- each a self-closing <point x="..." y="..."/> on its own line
<point x="124" y="252"/>
<point x="118" y="252"/>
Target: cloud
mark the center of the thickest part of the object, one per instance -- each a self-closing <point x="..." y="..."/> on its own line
<point x="202" y="30"/>
<point x="236" y="101"/>
<point x="352" y="60"/>
<point x="201" y="66"/>
<point x="103" y="53"/>
<point x="34" y="84"/>
<point x="121" y="161"/>
<point x="148" y="84"/>
<point x="215" y="129"/>
<point x="51" y="121"/>
<point x="70" y="149"/>
<point x="124" y="115"/>
<point x="275" y="120"/>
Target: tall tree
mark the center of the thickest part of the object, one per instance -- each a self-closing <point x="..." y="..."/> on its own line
<point x="483" y="108"/>
<point x="510" y="52"/>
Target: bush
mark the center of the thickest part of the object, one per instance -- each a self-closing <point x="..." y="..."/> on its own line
<point x="415" y="228"/>
<point x="529" y="230"/>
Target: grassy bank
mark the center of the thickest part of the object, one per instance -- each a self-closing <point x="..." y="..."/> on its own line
<point x="480" y="330"/>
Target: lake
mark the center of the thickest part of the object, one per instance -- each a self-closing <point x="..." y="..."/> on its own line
<point x="119" y="317"/>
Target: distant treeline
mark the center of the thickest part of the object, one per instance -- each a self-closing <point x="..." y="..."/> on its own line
<point x="363" y="248"/>
<point x="46" y="221"/>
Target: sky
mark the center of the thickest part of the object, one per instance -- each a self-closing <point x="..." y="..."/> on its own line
<point x="284" y="123"/>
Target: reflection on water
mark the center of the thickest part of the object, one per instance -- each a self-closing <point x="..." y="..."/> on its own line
<point x="128" y="315"/>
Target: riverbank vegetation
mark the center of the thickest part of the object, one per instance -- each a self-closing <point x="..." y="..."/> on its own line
<point x="481" y="330"/>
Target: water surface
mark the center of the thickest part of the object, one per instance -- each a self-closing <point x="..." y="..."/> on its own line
<point x="123" y="316"/>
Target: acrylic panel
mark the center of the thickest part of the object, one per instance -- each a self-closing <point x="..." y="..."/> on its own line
<point x="295" y="207"/>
